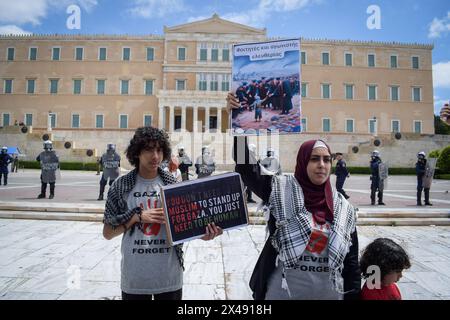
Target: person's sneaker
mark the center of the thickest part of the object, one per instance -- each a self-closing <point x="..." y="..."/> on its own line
<point x="419" y="204"/>
<point x="41" y="196"/>
<point x="346" y="196"/>
<point x="381" y="204"/>
<point x="100" y="197"/>
<point x="51" y="196"/>
<point x="428" y="204"/>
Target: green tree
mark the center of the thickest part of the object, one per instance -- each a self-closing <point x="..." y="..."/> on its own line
<point x="440" y="127"/>
<point x="443" y="161"/>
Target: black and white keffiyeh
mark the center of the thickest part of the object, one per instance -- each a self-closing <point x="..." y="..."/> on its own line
<point x="294" y="227"/>
<point x="116" y="209"/>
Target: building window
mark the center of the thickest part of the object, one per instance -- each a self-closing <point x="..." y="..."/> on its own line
<point x="181" y="54"/>
<point x="349" y="91"/>
<point x="304" y="90"/>
<point x="417" y="94"/>
<point x="214" y="84"/>
<point x="181" y="85"/>
<point x="99" y="121"/>
<point x="8" y="86"/>
<point x="11" y="52"/>
<point x="395" y="126"/>
<point x="124" y="84"/>
<point x="101" y="86"/>
<point x="304" y="125"/>
<point x="326" y="125"/>
<point x="203" y="54"/>
<point x="53" y="86"/>
<point x="56" y="52"/>
<point x="303" y="57"/>
<point x="75" y="120"/>
<point x="395" y="96"/>
<point x="28" y="119"/>
<point x="214" y="54"/>
<point x="226" y="54"/>
<point x="372" y="126"/>
<point x="123" y="121"/>
<point x="372" y="92"/>
<point x="326" y="91"/>
<point x="53" y="120"/>
<point x="126" y="54"/>
<point x="6" y="119"/>
<point x="102" y="54"/>
<point x="202" y="82"/>
<point x="394" y="62"/>
<point x="417" y="126"/>
<point x="33" y="54"/>
<point x="76" y="86"/>
<point x="147" y="120"/>
<point x="415" y="62"/>
<point x="78" y="54"/>
<point x="150" y="54"/>
<point x="30" y="86"/>
<point x="349" y="125"/>
<point x="148" y="87"/>
<point x="371" y="60"/>
<point x="225" y="82"/>
<point x="348" y="59"/>
<point x="325" y="58"/>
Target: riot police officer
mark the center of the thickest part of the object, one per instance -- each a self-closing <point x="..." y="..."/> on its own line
<point x="5" y="160"/>
<point x="205" y="164"/>
<point x="271" y="163"/>
<point x="49" y="164"/>
<point x="110" y="162"/>
<point x="184" y="163"/>
<point x="421" y="168"/>
<point x="341" y="174"/>
<point x="377" y="183"/>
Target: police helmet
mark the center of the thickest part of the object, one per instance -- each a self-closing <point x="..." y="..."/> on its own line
<point x="421" y="155"/>
<point x="375" y="153"/>
<point x="4" y="149"/>
<point x="48" y="145"/>
<point x="110" y="147"/>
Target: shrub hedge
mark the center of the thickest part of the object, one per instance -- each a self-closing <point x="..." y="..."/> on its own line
<point x="90" y="166"/>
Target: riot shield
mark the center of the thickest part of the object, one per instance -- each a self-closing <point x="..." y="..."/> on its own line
<point x="383" y="173"/>
<point x="429" y="172"/>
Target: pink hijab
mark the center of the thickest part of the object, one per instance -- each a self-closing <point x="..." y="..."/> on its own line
<point x="318" y="199"/>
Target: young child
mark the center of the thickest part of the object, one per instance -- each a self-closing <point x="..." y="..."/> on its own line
<point x="257" y="105"/>
<point x="392" y="259"/>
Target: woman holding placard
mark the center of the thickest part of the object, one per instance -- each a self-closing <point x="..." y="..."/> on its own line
<point x="312" y="251"/>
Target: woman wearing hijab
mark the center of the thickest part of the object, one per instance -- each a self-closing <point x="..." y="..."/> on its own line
<point x="312" y="250"/>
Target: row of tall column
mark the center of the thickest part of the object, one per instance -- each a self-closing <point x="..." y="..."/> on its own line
<point x="162" y="117"/>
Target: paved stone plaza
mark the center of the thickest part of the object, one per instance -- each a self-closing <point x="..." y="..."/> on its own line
<point x="40" y="259"/>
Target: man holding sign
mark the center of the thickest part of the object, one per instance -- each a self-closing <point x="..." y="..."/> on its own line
<point x="151" y="267"/>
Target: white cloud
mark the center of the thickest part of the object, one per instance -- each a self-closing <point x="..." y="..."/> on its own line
<point x="259" y="15"/>
<point x="156" y="8"/>
<point x="33" y="11"/>
<point x="439" y="27"/>
<point x="25" y="11"/>
<point x="441" y="75"/>
<point x="12" y="29"/>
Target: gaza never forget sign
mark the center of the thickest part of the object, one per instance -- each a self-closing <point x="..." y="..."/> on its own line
<point x="190" y="206"/>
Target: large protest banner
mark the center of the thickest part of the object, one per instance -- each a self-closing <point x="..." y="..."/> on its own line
<point x="191" y="205"/>
<point x="266" y="79"/>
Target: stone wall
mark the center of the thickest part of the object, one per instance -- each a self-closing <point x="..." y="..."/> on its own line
<point x="398" y="153"/>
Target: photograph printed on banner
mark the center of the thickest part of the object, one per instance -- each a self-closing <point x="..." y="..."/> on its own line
<point x="266" y="80"/>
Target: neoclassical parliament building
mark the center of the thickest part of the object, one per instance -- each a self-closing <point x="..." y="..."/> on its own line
<point x="94" y="87"/>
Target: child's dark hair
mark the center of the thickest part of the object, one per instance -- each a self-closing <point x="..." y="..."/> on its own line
<point x="386" y="254"/>
<point x="146" y="138"/>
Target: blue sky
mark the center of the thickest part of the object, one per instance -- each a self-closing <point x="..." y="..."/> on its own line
<point x="422" y="21"/>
